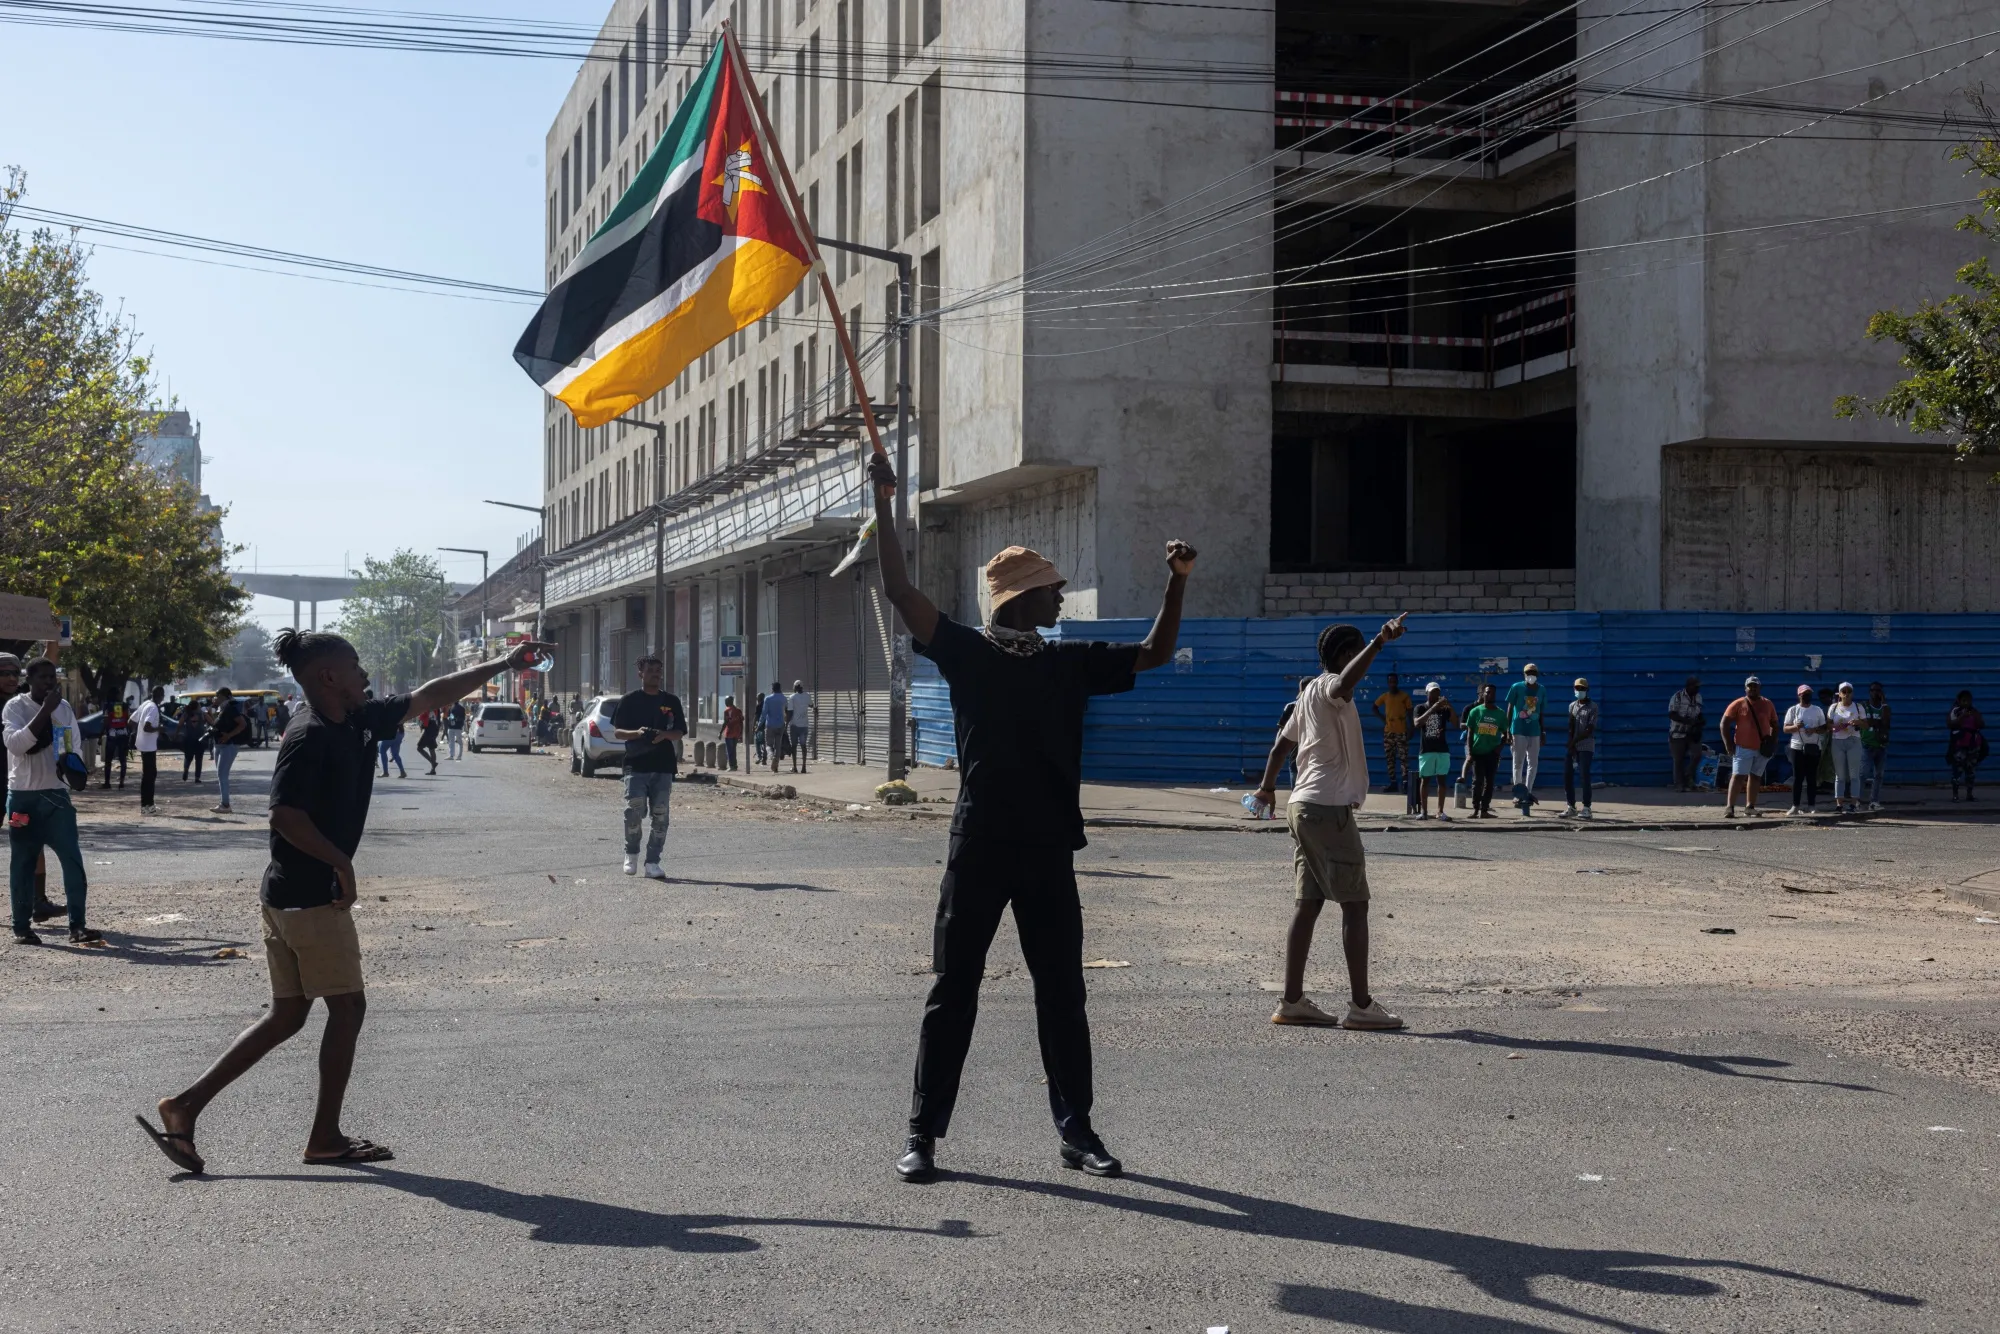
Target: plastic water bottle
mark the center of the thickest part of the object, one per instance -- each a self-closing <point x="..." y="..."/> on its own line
<point x="1259" y="810"/>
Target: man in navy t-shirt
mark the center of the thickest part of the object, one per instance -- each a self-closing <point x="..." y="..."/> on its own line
<point x="1017" y="703"/>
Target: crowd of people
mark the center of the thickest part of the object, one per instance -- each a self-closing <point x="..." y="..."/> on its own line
<point x="1833" y="742"/>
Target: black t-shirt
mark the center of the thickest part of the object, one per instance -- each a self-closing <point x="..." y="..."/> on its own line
<point x="225" y="725"/>
<point x="327" y="770"/>
<point x="1432" y="729"/>
<point x="1019" y="722"/>
<point x="456" y="717"/>
<point x="640" y="709"/>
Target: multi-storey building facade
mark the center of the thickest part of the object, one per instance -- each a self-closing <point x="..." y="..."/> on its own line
<point x="1478" y="306"/>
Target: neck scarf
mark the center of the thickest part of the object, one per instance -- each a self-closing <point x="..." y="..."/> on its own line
<point x="1016" y="643"/>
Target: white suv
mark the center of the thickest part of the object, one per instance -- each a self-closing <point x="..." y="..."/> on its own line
<point x="592" y="742"/>
<point x="503" y="725"/>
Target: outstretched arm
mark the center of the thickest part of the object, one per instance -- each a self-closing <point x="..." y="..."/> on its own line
<point x="441" y="692"/>
<point x="919" y="613"/>
<point x="1356" y="669"/>
<point x="1157" y="648"/>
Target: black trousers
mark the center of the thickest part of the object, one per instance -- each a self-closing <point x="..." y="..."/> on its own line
<point x="1805" y="777"/>
<point x="981" y="876"/>
<point x="149" y="775"/>
<point x="1484" y="767"/>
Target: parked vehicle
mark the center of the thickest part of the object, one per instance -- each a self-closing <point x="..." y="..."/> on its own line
<point x="592" y="743"/>
<point x="499" y="725"/>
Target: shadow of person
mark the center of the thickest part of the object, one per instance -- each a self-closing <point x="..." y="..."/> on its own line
<point x="1711" y="1065"/>
<point x="563" y="1220"/>
<point x="1362" y="1310"/>
<point x="1502" y="1269"/>
<point x="762" y="886"/>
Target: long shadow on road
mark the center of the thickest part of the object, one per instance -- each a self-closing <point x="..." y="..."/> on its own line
<point x="563" y="1220"/>
<point x="1502" y="1269"/>
<point x="1711" y="1065"/>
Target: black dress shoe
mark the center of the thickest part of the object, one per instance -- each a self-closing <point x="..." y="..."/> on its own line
<point x="26" y="938"/>
<point x="48" y="912"/>
<point x="1091" y="1156"/>
<point x="83" y="936"/>
<point x="919" y="1160"/>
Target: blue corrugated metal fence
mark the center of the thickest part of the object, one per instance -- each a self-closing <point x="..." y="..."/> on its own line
<point x="1210" y="717"/>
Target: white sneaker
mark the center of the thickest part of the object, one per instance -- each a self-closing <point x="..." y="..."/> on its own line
<point x="1423" y="815"/>
<point x="1874" y="805"/>
<point x="631" y="863"/>
<point x="1795" y="811"/>
<point x="1585" y="814"/>
<point x="1374" y="1017"/>
<point x="1443" y="816"/>
<point x="1303" y="1011"/>
<point x="1569" y="812"/>
<point x="653" y="871"/>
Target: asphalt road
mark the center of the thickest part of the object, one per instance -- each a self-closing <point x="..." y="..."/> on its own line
<point x="625" y="1105"/>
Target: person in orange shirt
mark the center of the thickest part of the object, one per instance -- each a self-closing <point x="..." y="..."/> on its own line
<point x="732" y="729"/>
<point x="1392" y="706"/>
<point x="1749" y="732"/>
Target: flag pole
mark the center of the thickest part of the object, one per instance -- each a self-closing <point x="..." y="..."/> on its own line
<point x="804" y="224"/>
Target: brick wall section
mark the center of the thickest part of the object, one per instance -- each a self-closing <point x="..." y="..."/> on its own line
<point x="1419" y="590"/>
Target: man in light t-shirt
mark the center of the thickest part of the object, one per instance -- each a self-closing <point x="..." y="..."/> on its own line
<point x="798" y="711"/>
<point x="146" y="725"/>
<point x="1332" y="781"/>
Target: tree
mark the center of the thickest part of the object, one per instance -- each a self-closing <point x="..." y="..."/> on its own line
<point x="131" y="557"/>
<point x="395" y="616"/>
<point x="250" y="661"/>
<point x="1952" y="347"/>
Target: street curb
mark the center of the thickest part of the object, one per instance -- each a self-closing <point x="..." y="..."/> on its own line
<point x="787" y="792"/>
<point x="1986" y="900"/>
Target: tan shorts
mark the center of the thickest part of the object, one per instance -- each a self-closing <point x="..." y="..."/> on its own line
<point x="313" y="952"/>
<point x="1326" y="853"/>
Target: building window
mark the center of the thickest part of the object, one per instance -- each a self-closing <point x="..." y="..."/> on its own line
<point x="933" y="97"/>
<point x="799" y="105"/>
<point x="604" y="103"/>
<point x="933" y="19"/>
<point x="576" y="156"/>
<point x="910" y="155"/>
<point x="624" y="92"/>
<point x="812" y="88"/>
<point x="894" y="28"/>
<point x="683" y="22"/>
<point x="590" y="127"/>
<point x="930" y="271"/>
<point x="840" y="257"/>
<point x="640" y="40"/>
<point x="853" y="223"/>
<point x="890" y="220"/>
<point x="554" y="220"/>
<point x="840" y="63"/>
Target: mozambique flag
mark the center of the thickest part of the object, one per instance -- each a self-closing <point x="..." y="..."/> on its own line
<point x="701" y="245"/>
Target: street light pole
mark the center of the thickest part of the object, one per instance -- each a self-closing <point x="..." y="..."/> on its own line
<point x="481" y="553"/>
<point x="541" y="565"/>
<point x="899" y="650"/>
<point x="659" y="430"/>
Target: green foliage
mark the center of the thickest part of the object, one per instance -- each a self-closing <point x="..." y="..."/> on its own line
<point x="131" y="557"/>
<point x="1952" y="347"/>
<point x="395" y="617"/>
<point x="250" y="661"/>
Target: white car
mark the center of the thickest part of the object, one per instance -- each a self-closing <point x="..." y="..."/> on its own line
<point x="502" y="725"/>
<point x="592" y="743"/>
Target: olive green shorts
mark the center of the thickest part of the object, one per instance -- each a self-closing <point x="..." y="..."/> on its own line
<point x="1326" y="853"/>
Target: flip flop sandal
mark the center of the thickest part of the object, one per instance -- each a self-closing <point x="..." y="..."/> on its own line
<point x="179" y="1157"/>
<point x="357" y="1151"/>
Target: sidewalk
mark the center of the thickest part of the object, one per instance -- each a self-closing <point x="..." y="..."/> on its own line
<point x="1158" y="806"/>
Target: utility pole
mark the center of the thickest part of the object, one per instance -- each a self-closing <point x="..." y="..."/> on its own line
<point x="541" y="565"/>
<point x="899" y="650"/>
<point x="659" y="430"/>
<point x="476" y="551"/>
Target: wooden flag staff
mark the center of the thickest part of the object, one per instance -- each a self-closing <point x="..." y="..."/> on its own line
<point x="797" y="210"/>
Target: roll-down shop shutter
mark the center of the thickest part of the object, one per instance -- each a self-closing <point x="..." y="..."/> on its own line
<point x="837" y="690"/>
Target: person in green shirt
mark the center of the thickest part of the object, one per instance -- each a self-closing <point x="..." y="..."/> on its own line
<point x="1525" y="702"/>
<point x="1874" y="744"/>
<point x="1485" y="732"/>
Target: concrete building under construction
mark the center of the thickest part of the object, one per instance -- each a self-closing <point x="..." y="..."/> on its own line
<point x="1452" y="305"/>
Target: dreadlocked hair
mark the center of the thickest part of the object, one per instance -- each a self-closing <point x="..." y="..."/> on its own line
<point x="298" y="650"/>
<point x="1338" y="643"/>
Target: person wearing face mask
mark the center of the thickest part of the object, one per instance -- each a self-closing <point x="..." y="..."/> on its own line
<point x="1844" y="721"/>
<point x="1581" y="750"/>
<point x="1524" y="724"/>
<point x="1805" y="721"/>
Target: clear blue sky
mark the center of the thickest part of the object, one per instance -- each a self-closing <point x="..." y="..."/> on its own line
<point x="340" y="421"/>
